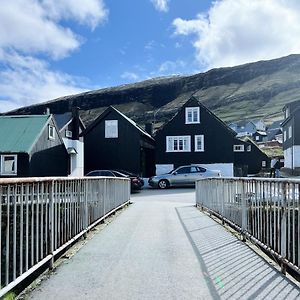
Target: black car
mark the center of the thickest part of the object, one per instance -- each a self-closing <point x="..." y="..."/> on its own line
<point x="134" y="181"/>
<point x="133" y="176"/>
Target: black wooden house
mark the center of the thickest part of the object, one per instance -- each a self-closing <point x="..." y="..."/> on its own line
<point x="195" y="136"/>
<point x="114" y="141"/>
<point x="31" y="146"/>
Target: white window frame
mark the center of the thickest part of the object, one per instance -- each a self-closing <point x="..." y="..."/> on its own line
<point x="257" y="138"/>
<point x="51" y="136"/>
<point x="238" y="148"/>
<point x="263" y="163"/>
<point x="111" y="129"/>
<point x="248" y="148"/>
<point x="192" y="110"/>
<point x="202" y="143"/>
<point x="170" y="143"/>
<point x="69" y="134"/>
<point x="290" y="132"/>
<point x="2" y="171"/>
<point x="284" y="135"/>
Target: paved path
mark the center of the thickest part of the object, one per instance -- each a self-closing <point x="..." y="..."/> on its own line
<point x="162" y="247"/>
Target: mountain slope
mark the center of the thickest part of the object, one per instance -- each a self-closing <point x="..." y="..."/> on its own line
<point x="252" y="90"/>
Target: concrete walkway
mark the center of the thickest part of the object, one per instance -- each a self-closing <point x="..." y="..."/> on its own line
<point x="162" y="247"/>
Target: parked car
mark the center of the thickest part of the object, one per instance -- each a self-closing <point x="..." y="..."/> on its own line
<point x="182" y="176"/>
<point x="134" y="181"/>
<point x="133" y="175"/>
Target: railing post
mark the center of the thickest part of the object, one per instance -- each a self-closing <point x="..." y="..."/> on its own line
<point x="85" y="215"/>
<point x="283" y="228"/>
<point x="51" y="220"/>
<point x="244" y="211"/>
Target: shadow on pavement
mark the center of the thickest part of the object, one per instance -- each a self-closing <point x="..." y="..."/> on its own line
<point x="233" y="270"/>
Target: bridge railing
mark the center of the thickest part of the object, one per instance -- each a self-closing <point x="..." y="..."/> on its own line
<point x="264" y="210"/>
<point x="40" y="217"/>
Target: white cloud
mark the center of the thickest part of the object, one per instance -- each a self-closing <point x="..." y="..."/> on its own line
<point x="27" y="80"/>
<point x="161" y="5"/>
<point x="29" y="28"/>
<point x="131" y="76"/>
<point x="87" y="12"/>
<point x="239" y="31"/>
<point x="171" y="67"/>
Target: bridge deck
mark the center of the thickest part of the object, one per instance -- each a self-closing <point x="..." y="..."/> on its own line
<point x="162" y="247"/>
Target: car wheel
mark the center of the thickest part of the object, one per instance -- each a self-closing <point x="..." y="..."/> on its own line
<point x="163" y="184"/>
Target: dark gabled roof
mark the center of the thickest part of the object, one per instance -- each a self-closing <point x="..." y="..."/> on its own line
<point x="62" y="119"/>
<point x="275" y="125"/>
<point x="193" y="99"/>
<point x="249" y="140"/>
<point x="19" y="133"/>
<point x="106" y="112"/>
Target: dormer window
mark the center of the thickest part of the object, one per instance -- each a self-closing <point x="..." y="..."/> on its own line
<point x="192" y="115"/>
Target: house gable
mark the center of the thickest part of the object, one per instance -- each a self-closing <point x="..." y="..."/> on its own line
<point x="113" y="141"/>
<point x="216" y="136"/>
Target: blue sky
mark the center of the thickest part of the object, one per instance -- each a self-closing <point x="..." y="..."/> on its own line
<point x="54" y="48"/>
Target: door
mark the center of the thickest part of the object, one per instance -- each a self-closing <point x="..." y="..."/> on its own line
<point x="181" y="176"/>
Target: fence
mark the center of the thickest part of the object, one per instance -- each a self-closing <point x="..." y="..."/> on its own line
<point x="265" y="210"/>
<point x="40" y="217"/>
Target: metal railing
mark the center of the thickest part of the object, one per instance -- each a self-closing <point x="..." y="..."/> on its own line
<point x="264" y="210"/>
<point x="40" y="217"/>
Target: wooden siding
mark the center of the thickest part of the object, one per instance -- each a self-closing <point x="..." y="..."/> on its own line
<point x="49" y="157"/>
<point x="123" y="152"/>
<point x="218" y="139"/>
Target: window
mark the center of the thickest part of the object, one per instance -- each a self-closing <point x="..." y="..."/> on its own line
<point x="249" y="148"/>
<point x="238" y="148"/>
<point x="263" y="163"/>
<point x="183" y="170"/>
<point x="111" y="129"/>
<point x="199" y="143"/>
<point x="192" y="115"/>
<point x="178" y="143"/>
<point x="257" y="138"/>
<point x="284" y="136"/>
<point x="51" y="132"/>
<point x="290" y="132"/>
<point x="8" y="165"/>
<point x="69" y="133"/>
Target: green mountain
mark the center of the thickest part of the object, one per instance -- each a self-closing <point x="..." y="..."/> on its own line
<point x="254" y="90"/>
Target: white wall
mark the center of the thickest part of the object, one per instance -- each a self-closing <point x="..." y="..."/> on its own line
<point x="292" y="157"/>
<point x="76" y="160"/>
<point x="287" y="158"/>
<point x="163" y="169"/>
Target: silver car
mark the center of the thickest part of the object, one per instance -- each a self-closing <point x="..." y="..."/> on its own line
<point x="182" y="176"/>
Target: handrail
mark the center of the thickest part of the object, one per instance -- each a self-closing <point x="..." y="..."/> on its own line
<point x="40" y="217"/>
<point x="266" y="210"/>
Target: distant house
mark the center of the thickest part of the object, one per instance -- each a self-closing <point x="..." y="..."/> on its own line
<point x="274" y="131"/>
<point x="70" y="127"/>
<point x="249" y="158"/>
<point x="31" y="146"/>
<point x="291" y="135"/>
<point x="248" y="128"/>
<point x="260" y="136"/>
<point x="195" y="136"/>
<point x="113" y="141"/>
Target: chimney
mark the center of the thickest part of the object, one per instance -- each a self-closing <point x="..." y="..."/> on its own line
<point x="149" y="128"/>
<point x="47" y="112"/>
<point x="75" y="123"/>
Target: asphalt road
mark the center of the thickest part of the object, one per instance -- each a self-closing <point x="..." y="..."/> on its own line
<point x="162" y="247"/>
